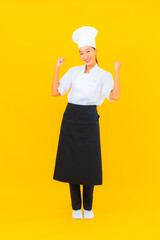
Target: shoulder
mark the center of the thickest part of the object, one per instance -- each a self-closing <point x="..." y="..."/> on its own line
<point x="74" y="69"/>
<point x="106" y="78"/>
<point x="105" y="74"/>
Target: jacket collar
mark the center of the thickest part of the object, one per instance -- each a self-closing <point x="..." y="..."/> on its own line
<point x="91" y="70"/>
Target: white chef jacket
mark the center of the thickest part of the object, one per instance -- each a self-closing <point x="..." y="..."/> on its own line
<point x="86" y="88"/>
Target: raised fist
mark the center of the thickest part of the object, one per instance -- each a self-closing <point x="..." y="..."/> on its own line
<point x="60" y="61"/>
<point x="117" y="65"/>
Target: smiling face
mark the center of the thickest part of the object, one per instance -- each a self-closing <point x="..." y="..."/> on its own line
<point x="88" y="55"/>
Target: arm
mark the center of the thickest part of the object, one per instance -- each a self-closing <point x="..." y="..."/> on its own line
<point x="115" y="93"/>
<point x="55" y="83"/>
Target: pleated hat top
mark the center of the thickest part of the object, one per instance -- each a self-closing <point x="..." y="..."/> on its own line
<point x="85" y="36"/>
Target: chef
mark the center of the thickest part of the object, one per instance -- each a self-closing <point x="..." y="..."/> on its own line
<point x="78" y="159"/>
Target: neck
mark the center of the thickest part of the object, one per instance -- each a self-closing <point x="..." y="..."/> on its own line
<point x="88" y="67"/>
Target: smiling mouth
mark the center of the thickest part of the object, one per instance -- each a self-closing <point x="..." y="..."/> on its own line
<point x="87" y="60"/>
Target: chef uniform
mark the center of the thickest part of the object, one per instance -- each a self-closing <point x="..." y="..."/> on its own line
<point x="78" y="159"/>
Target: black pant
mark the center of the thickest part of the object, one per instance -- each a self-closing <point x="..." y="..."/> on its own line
<point x="76" y="196"/>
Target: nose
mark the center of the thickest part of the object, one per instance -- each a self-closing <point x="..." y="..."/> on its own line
<point x="86" y="57"/>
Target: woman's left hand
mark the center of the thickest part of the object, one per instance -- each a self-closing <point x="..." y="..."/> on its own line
<point x="117" y="65"/>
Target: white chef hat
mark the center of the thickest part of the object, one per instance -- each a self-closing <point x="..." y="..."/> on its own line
<point x="85" y="36"/>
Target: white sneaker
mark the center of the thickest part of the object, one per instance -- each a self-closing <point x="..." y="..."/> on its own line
<point x="77" y="214"/>
<point x="88" y="214"/>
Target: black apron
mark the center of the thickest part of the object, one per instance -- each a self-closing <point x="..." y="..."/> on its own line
<point x="78" y="157"/>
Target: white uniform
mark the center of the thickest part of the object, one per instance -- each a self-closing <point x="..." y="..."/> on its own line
<point x="86" y="88"/>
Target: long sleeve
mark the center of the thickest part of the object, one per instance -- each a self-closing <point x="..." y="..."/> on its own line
<point x="107" y="85"/>
<point x="65" y="82"/>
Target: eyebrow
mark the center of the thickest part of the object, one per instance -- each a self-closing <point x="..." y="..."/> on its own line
<point x="85" y="50"/>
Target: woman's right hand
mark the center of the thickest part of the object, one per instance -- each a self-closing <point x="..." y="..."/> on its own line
<point x="60" y="61"/>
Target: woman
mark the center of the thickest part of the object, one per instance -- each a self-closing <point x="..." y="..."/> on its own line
<point x="78" y="158"/>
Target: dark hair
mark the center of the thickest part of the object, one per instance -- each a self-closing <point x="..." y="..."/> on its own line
<point x="96" y="57"/>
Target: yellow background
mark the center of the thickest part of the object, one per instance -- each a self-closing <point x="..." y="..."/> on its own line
<point x="34" y="34"/>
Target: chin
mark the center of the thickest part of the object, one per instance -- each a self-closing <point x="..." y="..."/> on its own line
<point x="90" y="63"/>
